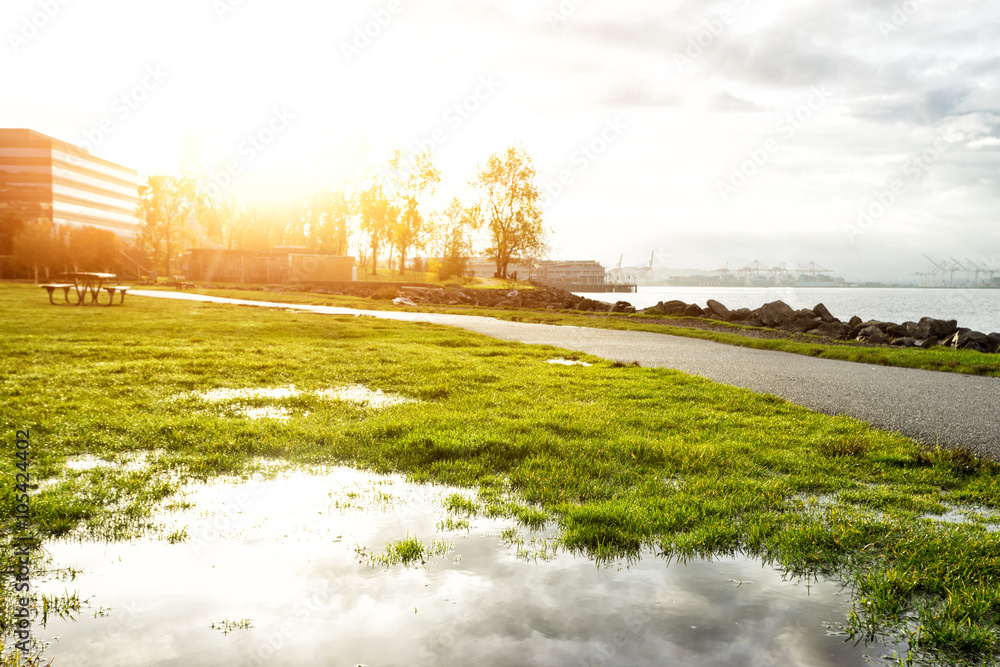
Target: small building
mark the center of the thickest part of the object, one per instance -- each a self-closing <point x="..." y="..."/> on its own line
<point x="45" y="179"/>
<point x="484" y="267"/>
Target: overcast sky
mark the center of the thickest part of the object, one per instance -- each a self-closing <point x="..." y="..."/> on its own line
<point x="857" y="134"/>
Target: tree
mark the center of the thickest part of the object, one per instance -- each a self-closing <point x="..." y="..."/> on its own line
<point x="411" y="228"/>
<point x="36" y="246"/>
<point x="92" y="249"/>
<point x="454" y="238"/>
<point x="11" y="222"/>
<point x="333" y="231"/>
<point x="510" y="205"/>
<point x="378" y="217"/>
<point x="166" y="204"/>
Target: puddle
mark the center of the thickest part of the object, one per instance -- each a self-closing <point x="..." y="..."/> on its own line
<point x="569" y="362"/>
<point x="234" y="399"/>
<point x="278" y="572"/>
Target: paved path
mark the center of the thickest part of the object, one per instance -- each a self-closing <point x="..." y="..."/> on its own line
<point x="931" y="407"/>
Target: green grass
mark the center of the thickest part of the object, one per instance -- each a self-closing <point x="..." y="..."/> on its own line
<point x="937" y="359"/>
<point x="620" y="458"/>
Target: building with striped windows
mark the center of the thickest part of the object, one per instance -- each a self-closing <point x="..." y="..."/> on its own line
<point x="42" y="178"/>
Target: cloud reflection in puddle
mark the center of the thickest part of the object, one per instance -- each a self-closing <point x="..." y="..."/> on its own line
<point x="282" y="553"/>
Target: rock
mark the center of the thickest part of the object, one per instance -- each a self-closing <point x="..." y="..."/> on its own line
<point x="693" y="311"/>
<point x="896" y="331"/>
<point x="878" y="324"/>
<point x="911" y="328"/>
<point x="995" y="337"/>
<point x="622" y="307"/>
<point x="927" y="343"/>
<point x="854" y="321"/>
<point x="872" y="334"/>
<point x="774" y="314"/>
<point x="824" y="314"/>
<point x="717" y="308"/>
<point x="835" y="330"/>
<point x="904" y="342"/>
<point x="740" y="315"/>
<point x="801" y="323"/>
<point x="966" y="339"/>
<point x="674" y="307"/>
<point x="928" y="326"/>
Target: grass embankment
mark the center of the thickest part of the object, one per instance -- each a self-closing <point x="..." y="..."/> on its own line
<point x="936" y="359"/>
<point x="622" y="457"/>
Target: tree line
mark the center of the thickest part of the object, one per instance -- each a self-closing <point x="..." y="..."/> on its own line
<point x="384" y="219"/>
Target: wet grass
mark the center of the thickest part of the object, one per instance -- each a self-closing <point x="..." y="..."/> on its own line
<point x="937" y="359"/>
<point x="620" y="458"/>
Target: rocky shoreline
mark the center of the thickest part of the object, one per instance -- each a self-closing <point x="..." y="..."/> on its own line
<point x="928" y="333"/>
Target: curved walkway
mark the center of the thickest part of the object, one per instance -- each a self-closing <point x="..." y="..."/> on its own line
<point x="929" y="406"/>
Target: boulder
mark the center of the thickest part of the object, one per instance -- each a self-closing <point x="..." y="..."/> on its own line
<point x="740" y="315"/>
<point x="928" y="326"/>
<point x="854" y="321"/>
<point x="896" y="331"/>
<point x="911" y="328"/>
<point x="718" y="309"/>
<point x="927" y="343"/>
<point x="872" y="334"/>
<point x="824" y="314"/>
<point x="835" y="330"/>
<point x="878" y="324"/>
<point x="693" y="310"/>
<point x="801" y="323"/>
<point x="622" y="307"/>
<point x="966" y="339"/>
<point x="995" y="337"/>
<point x="904" y="342"/>
<point x="774" y="314"/>
<point x="674" y="307"/>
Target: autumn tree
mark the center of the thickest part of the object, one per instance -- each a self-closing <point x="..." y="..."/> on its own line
<point x="453" y="239"/>
<point x="166" y="206"/>
<point x="333" y="229"/>
<point x="510" y="206"/>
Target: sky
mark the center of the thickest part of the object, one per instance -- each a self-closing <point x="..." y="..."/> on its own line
<point x="860" y="135"/>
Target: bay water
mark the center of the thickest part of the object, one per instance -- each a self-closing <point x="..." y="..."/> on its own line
<point x="977" y="309"/>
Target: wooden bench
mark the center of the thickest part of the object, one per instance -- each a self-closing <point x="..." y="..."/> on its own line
<point x="53" y="287"/>
<point x="117" y="288"/>
<point x="180" y="283"/>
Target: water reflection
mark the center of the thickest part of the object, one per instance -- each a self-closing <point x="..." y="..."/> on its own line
<point x="281" y="556"/>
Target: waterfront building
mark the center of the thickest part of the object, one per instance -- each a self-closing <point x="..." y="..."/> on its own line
<point x="45" y="179"/>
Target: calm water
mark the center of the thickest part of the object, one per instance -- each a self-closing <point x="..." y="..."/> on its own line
<point x="977" y="309"/>
<point x="280" y="559"/>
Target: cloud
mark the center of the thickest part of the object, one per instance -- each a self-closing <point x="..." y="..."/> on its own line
<point x="726" y="102"/>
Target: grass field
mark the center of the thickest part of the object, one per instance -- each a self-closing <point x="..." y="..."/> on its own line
<point x="937" y="359"/>
<point x="621" y="457"/>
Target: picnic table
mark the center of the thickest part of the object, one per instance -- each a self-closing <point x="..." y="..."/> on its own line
<point x="87" y="286"/>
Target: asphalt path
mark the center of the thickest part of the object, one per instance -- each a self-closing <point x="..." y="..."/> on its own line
<point x="936" y="408"/>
